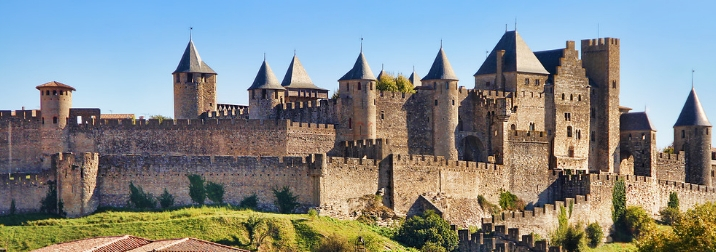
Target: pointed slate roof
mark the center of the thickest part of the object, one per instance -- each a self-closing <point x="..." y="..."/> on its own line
<point x="191" y="61"/>
<point x="56" y="84"/>
<point x="382" y="72"/>
<point x="360" y="71"/>
<point x="518" y="57"/>
<point x="415" y="79"/>
<point x="265" y="79"/>
<point x="441" y="69"/>
<point x="296" y="76"/>
<point x="638" y="121"/>
<point x="550" y="59"/>
<point x="692" y="114"/>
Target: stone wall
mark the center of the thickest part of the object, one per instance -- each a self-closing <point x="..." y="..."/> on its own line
<point x="345" y="180"/>
<point x="21" y="142"/>
<point x="671" y="167"/>
<point x="27" y="189"/>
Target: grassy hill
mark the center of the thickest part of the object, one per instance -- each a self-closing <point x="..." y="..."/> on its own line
<point x="274" y="232"/>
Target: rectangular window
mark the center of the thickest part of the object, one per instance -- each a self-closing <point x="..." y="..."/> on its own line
<point x="537" y="82"/>
<point x="436" y="102"/>
<point x="527" y="81"/>
<point x="487" y="84"/>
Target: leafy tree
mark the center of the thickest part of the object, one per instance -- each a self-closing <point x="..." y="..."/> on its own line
<point x="386" y="83"/>
<point x="694" y="231"/>
<point x="420" y="230"/>
<point x="197" y="192"/>
<point x="215" y="192"/>
<point x="140" y="199"/>
<point x="250" y="202"/>
<point x="669" y="215"/>
<point x="334" y="243"/>
<point x="404" y="84"/>
<point x="594" y="234"/>
<point x="619" y="211"/>
<point x="285" y="200"/>
<point x="669" y="149"/>
<point x="509" y="201"/>
<point x="638" y="221"/>
<point x="335" y="95"/>
<point x="166" y="200"/>
<point x="571" y="238"/>
<point x="161" y="118"/>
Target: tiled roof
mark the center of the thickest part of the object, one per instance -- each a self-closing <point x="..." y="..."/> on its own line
<point x="360" y="71"/>
<point x="635" y="121"/>
<point x="692" y="114"/>
<point x="55" y="84"/>
<point x="415" y="79"/>
<point x="186" y="244"/>
<point x="441" y="68"/>
<point x="98" y="244"/>
<point x="518" y="57"/>
<point x="191" y="62"/>
<point x="265" y="79"/>
<point x="550" y="59"/>
<point x="296" y="76"/>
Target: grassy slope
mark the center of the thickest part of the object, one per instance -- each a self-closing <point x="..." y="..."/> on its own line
<point x="217" y="224"/>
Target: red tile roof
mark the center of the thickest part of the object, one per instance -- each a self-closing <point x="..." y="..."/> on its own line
<point x="56" y="84"/>
<point x="130" y="243"/>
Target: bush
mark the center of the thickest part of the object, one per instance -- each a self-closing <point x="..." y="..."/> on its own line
<point x="197" y="192"/>
<point x="487" y="206"/>
<point x="250" y="202"/>
<point x="285" y="200"/>
<point x="432" y="247"/>
<point x="669" y="215"/>
<point x="429" y="227"/>
<point x="49" y="203"/>
<point x="638" y="222"/>
<point x="673" y="201"/>
<point x="509" y="201"/>
<point x="312" y="213"/>
<point x="215" y="192"/>
<point x="619" y="211"/>
<point x="594" y="234"/>
<point x="166" y="200"/>
<point x="140" y="199"/>
<point x="13" y="208"/>
<point x="334" y="243"/>
<point x="693" y="231"/>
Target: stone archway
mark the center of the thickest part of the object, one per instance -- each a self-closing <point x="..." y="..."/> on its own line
<point x="473" y="149"/>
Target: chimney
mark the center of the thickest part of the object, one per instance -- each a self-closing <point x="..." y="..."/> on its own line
<point x="498" y="73"/>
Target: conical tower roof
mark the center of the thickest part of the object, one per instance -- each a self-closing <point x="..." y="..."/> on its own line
<point x="191" y="61"/>
<point x="265" y="79"/>
<point x="415" y="79"/>
<point x="56" y="84"/>
<point x="360" y="71"/>
<point x="296" y="76"/>
<point x="518" y="57"/>
<point x="692" y="114"/>
<point x="441" y="69"/>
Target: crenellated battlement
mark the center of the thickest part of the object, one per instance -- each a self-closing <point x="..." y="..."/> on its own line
<point x="440" y="161"/>
<point x="238" y="124"/>
<point x="599" y="43"/>
<point x="19" y="114"/>
<point x="528" y="136"/>
<point x="676" y="157"/>
<point x="493" y="94"/>
<point x="353" y="161"/>
<point x="492" y="237"/>
<point x="26" y="179"/>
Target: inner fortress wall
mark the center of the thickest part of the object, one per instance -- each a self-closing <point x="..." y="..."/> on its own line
<point x="21" y="141"/>
<point x="27" y="189"/>
<point x="405" y="120"/>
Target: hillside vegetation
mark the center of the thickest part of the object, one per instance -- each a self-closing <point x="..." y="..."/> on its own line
<point x="239" y="228"/>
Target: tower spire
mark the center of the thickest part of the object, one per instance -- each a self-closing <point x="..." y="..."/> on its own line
<point x="515" y="23"/>
<point x="361" y="44"/>
<point x="190" y="29"/>
<point x="692" y="78"/>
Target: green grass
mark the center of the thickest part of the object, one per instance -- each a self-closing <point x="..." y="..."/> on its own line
<point x="614" y="247"/>
<point x="218" y="224"/>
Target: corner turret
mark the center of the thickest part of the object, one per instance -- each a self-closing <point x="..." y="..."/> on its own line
<point x="357" y="94"/>
<point x="194" y="85"/>
<point x="265" y="94"/>
<point x="445" y="109"/>
<point x="55" y="104"/>
<point x="692" y="135"/>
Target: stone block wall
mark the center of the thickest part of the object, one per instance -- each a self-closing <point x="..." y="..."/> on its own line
<point x="77" y="182"/>
<point x="671" y="167"/>
<point x="346" y="179"/>
<point x="27" y="189"/>
<point x="21" y="140"/>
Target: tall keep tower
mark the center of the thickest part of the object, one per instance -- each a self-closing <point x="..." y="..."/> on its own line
<point x="55" y="104"/>
<point x="600" y="57"/>
<point x="445" y="108"/>
<point x="358" y="99"/>
<point x="265" y="94"/>
<point x="194" y="85"/>
<point x="692" y="136"/>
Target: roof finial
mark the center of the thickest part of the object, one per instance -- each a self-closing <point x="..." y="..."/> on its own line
<point x="441" y="43"/>
<point x="294" y="51"/>
<point x="381" y="66"/>
<point x="413" y="68"/>
<point x="190" y="28"/>
<point x="361" y="44"/>
<point x="264" y="56"/>
<point x="692" y="78"/>
<point x="505" y="27"/>
<point x="515" y="23"/>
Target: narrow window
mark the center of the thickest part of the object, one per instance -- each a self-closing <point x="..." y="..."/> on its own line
<point x="350" y="123"/>
<point x="453" y="102"/>
<point x="593" y="112"/>
<point x="382" y="115"/>
<point x="571" y="97"/>
<point x="537" y="82"/>
<point x="643" y="137"/>
<point x="189" y="77"/>
<point x="487" y="84"/>
<point x="513" y="127"/>
<point x="275" y="94"/>
<point x="579" y="134"/>
<point x="563" y="96"/>
<point x="47" y="92"/>
<point x="571" y="151"/>
<point x="359" y="88"/>
<point x="54" y="120"/>
<point x="348" y="87"/>
<point x="579" y="98"/>
<point x="253" y="93"/>
<point x="54" y="92"/>
<point x="683" y="134"/>
<point x="569" y="131"/>
<point x="629" y="137"/>
<point x="527" y="81"/>
<point x="371" y="86"/>
<point x="263" y="93"/>
<point x="43" y="120"/>
<point x="532" y="126"/>
<point x="436" y="102"/>
<point x="592" y="137"/>
<point x="614" y="84"/>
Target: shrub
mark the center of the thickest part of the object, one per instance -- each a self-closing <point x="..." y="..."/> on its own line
<point x="215" y="192"/>
<point x="140" y="199"/>
<point x="619" y="211"/>
<point x="509" y="201"/>
<point x="166" y="200"/>
<point x="334" y="243"/>
<point x="429" y="227"/>
<point x="13" y="208"/>
<point x="197" y="192"/>
<point x="669" y="215"/>
<point x="638" y="221"/>
<point x="432" y="247"/>
<point x="285" y="200"/>
<point x="250" y="202"/>
<point x="594" y="234"/>
<point x="49" y="204"/>
<point x="487" y="206"/>
<point x="673" y="201"/>
<point x="312" y="213"/>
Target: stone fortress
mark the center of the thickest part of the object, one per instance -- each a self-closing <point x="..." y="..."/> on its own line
<point x="546" y="126"/>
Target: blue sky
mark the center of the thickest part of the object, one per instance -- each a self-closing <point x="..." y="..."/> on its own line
<point x="120" y="54"/>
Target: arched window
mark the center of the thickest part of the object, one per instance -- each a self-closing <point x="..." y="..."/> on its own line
<point x="532" y="126"/>
<point x="629" y="138"/>
<point x="569" y="131"/>
<point x="683" y="134"/>
<point x="263" y="93"/>
<point x="359" y="85"/>
<point x="54" y="92"/>
<point x="579" y="98"/>
<point x="571" y="97"/>
<point x="563" y="96"/>
<point x="513" y="127"/>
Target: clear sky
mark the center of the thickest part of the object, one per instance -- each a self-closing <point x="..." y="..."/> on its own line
<point x="119" y="55"/>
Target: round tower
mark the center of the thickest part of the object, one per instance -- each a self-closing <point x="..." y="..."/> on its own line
<point x="358" y="87"/>
<point x="194" y="86"/>
<point x="445" y="105"/>
<point x="692" y="135"/>
<point x="265" y="94"/>
<point x="55" y="104"/>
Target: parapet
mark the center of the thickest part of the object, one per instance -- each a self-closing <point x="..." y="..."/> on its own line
<point x="599" y="43"/>
<point x="19" y="114"/>
<point x="675" y="157"/>
<point x="440" y="161"/>
<point x="209" y="123"/>
<point x="528" y="136"/>
<point x="26" y="179"/>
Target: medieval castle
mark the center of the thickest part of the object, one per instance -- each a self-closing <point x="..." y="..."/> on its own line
<point x="546" y="126"/>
